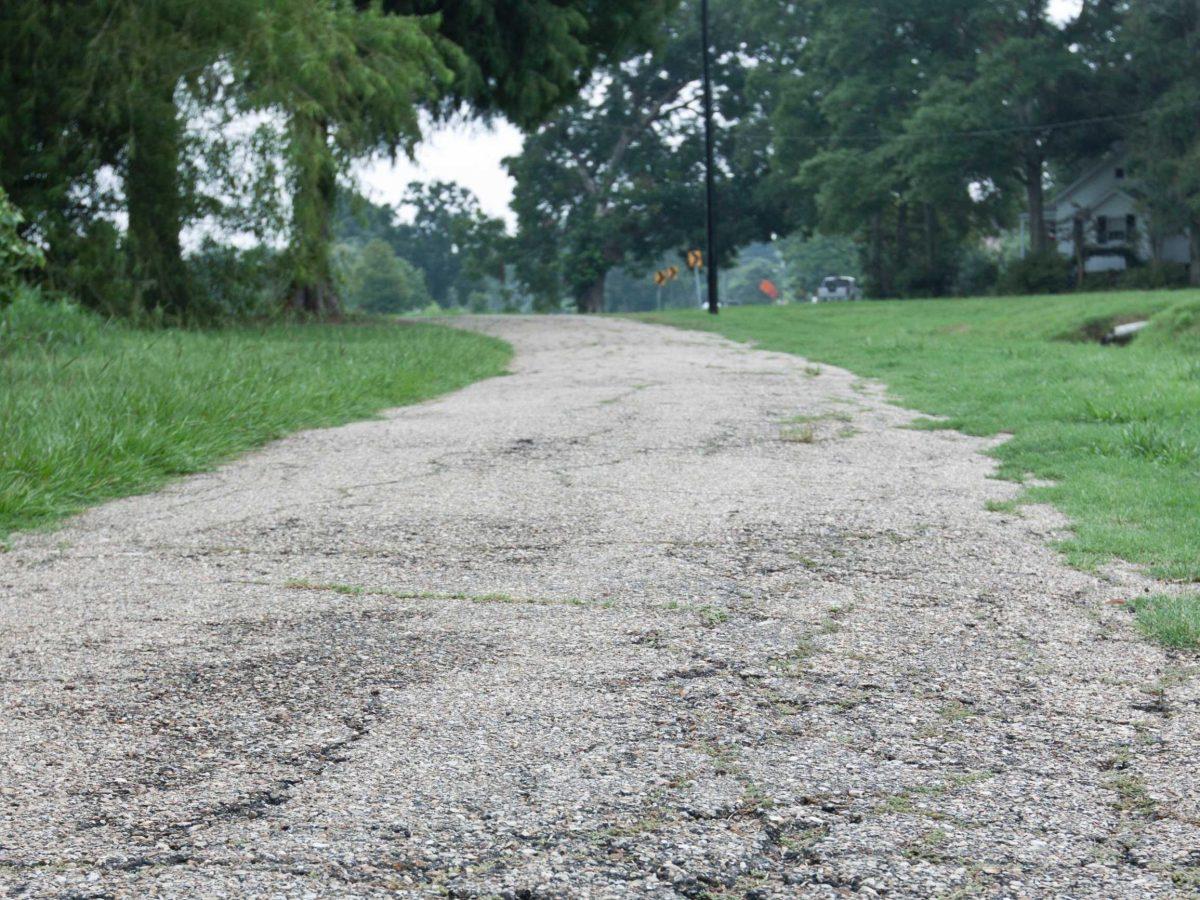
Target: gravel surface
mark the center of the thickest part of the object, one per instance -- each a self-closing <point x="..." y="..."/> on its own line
<point x="615" y="625"/>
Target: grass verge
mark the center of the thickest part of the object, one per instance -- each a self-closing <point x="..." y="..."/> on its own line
<point x="1114" y="430"/>
<point x="1170" y="620"/>
<point x="90" y="411"/>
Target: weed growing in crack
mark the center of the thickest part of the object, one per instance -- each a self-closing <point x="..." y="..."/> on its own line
<point x="836" y="416"/>
<point x="926" y="847"/>
<point x="793" y="664"/>
<point x="802" y="434"/>
<point x="1132" y="796"/>
<point x="956" y="711"/>
<point x="360" y="591"/>
<point x="711" y="616"/>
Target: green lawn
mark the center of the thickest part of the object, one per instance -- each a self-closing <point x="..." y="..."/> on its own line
<point x="91" y="411"/>
<point x="1117" y="429"/>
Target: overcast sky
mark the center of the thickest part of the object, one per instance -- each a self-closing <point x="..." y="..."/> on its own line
<point x="471" y="154"/>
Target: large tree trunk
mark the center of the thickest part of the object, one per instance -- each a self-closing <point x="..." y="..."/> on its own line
<point x="312" y="291"/>
<point x="155" y="206"/>
<point x="1036" y="202"/>
<point x="592" y="298"/>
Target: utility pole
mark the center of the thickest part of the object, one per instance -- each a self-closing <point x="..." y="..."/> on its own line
<point x="709" y="190"/>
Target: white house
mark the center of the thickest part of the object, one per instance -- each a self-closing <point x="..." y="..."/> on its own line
<point x="1103" y="200"/>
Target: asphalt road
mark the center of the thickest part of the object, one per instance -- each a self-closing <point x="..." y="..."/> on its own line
<point x="614" y="625"/>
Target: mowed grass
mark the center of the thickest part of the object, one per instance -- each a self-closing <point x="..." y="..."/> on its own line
<point x="1116" y="430"/>
<point x="90" y="411"/>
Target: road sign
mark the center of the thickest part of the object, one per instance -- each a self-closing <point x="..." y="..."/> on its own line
<point x="660" y="277"/>
<point x="695" y="259"/>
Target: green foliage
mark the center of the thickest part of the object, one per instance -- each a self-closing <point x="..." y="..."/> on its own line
<point x="614" y="180"/>
<point x="17" y="255"/>
<point x="91" y="267"/>
<point x="233" y="283"/>
<point x="755" y="264"/>
<point x="1170" y="620"/>
<point x="30" y="320"/>
<point x="150" y="90"/>
<point x="1153" y="277"/>
<point x="458" y="250"/>
<point x="809" y="260"/>
<point x="378" y="281"/>
<point x="1162" y="73"/>
<point x="450" y="239"/>
<point x="1038" y="273"/>
<point x="978" y="273"/>
<point x="524" y="58"/>
<point x="1113" y="431"/>
<point x="89" y="412"/>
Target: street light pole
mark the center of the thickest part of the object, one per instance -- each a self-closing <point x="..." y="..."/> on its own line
<point x="709" y="190"/>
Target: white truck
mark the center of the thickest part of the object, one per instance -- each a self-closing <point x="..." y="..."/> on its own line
<point x="837" y="287"/>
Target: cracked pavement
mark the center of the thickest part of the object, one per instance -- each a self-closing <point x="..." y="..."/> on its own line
<point x="656" y="615"/>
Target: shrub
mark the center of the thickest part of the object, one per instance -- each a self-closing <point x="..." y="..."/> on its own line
<point x="236" y="284"/>
<point x="1154" y="277"/>
<point x="91" y="267"/>
<point x="1044" y="273"/>
<point x="30" y="321"/>
<point x="376" y="280"/>
<point x="977" y="273"/>
<point x="17" y="255"/>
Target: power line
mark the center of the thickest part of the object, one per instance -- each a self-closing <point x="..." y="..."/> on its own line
<point x="1012" y="129"/>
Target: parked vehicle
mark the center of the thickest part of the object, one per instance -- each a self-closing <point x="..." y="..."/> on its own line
<point x="838" y="287"/>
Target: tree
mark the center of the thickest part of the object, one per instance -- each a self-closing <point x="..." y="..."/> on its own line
<point x="350" y="80"/>
<point x="1162" y="43"/>
<point x="363" y="67"/>
<point x="379" y="281"/>
<point x="525" y="58"/>
<point x="93" y="85"/>
<point x="844" y="87"/>
<point x="450" y="238"/>
<point x="447" y="236"/>
<point x="137" y="66"/>
<point x="1022" y="104"/>
<point x="614" y="178"/>
<point x="117" y="82"/>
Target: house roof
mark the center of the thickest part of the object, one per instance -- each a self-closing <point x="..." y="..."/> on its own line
<point x="1114" y="155"/>
<point x="1058" y="213"/>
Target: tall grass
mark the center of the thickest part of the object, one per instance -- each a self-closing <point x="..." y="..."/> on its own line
<point x="1171" y="620"/>
<point x="92" y="410"/>
<point x="1115" y="429"/>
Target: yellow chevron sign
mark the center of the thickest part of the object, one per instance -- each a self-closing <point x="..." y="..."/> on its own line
<point x="695" y="259"/>
<point x="662" y="276"/>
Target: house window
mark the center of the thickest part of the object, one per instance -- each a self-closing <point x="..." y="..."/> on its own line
<point x="1119" y="173"/>
<point x="1101" y="229"/>
<point x="1130" y="226"/>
